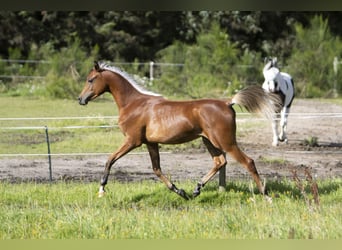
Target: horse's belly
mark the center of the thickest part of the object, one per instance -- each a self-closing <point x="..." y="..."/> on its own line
<point x="164" y="139"/>
<point x="171" y="133"/>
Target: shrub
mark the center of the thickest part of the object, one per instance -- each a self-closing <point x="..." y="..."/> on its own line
<point x="68" y="68"/>
<point x="311" y="62"/>
<point x="212" y="66"/>
<point x="62" y="70"/>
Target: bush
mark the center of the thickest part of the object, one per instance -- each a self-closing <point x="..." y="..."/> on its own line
<point x="311" y="62"/>
<point x="68" y="69"/>
<point x="63" y="71"/>
<point x="212" y="66"/>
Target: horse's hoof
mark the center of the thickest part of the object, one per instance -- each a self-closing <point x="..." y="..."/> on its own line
<point x="196" y="193"/>
<point x="101" y="194"/>
<point x="182" y="193"/>
<point x="268" y="199"/>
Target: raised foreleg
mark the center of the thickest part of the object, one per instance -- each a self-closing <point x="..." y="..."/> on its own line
<point x="124" y="149"/>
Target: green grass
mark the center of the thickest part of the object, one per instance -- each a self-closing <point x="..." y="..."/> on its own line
<point x="63" y="140"/>
<point x="147" y="210"/>
<point x="44" y="107"/>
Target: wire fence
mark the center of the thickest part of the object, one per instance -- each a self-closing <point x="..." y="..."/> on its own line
<point x="49" y="154"/>
<point x="14" y="72"/>
<point x="240" y="118"/>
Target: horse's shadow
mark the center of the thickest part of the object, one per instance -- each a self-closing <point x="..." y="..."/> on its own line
<point x="285" y="187"/>
<point x="211" y="193"/>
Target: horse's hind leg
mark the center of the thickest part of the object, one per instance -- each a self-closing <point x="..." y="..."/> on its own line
<point x="153" y="150"/>
<point x="219" y="159"/>
<point x="248" y="163"/>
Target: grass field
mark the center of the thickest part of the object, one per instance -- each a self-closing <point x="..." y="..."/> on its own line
<point x="32" y="141"/>
<point x="147" y="210"/>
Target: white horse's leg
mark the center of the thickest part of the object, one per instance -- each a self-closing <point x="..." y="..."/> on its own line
<point x="283" y="124"/>
<point x="101" y="192"/>
<point x="275" y="130"/>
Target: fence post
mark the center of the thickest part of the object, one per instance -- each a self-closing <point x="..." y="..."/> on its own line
<point x="151" y="71"/>
<point x="49" y="151"/>
<point x="335" y="64"/>
<point x="222" y="179"/>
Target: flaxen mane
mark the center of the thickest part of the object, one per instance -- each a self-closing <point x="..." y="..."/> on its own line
<point x="137" y="86"/>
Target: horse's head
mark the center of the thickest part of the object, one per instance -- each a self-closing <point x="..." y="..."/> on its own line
<point x="94" y="86"/>
<point x="272" y="75"/>
<point x="271" y="62"/>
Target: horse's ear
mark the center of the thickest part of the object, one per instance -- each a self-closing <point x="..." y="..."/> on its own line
<point x="268" y="59"/>
<point x="268" y="63"/>
<point x="96" y="66"/>
<point x="274" y="61"/>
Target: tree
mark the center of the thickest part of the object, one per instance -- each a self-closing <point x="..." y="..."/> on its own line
<point x="311" y="61"/>
<point x="211" y="66"/>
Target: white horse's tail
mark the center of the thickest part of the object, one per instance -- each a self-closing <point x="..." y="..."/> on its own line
<point x="255" y="100"/>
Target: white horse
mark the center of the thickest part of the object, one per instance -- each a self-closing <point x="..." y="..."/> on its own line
<point x="282" y="84"/>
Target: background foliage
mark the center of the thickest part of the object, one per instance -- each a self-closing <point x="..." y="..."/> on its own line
<point x="311" y="61"/>
<point x="216" y="52"/>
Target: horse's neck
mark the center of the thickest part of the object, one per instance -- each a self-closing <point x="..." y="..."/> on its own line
<point x="122" y="91"/>
<point x="267" y="66"/>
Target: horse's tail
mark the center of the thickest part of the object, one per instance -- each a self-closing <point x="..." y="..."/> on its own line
<point x="256" y="100"/>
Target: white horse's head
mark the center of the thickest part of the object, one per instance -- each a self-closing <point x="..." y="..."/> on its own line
<point x="272" y="76"/>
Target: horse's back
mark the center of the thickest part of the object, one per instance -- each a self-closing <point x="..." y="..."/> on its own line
<point x="198" y="110"/>
<point x="286" y="76"/>
<point x="288" y="89"/>
<point x="181" y="121"/>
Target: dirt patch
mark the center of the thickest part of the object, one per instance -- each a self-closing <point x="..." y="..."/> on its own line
<point x="324" y="160"/>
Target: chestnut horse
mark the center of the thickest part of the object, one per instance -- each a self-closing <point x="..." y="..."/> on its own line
<point x="148" y="118"/>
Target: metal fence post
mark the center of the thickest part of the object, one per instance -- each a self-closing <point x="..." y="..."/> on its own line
<point x="49" y="151"/>
<point x="222" y="179"/>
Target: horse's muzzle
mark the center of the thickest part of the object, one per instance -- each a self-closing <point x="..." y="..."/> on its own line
<point x="82" y="101"/>
<point x="84" y="98"/>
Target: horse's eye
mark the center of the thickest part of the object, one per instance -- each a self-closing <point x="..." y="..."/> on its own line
<point x="91" y="80"/>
